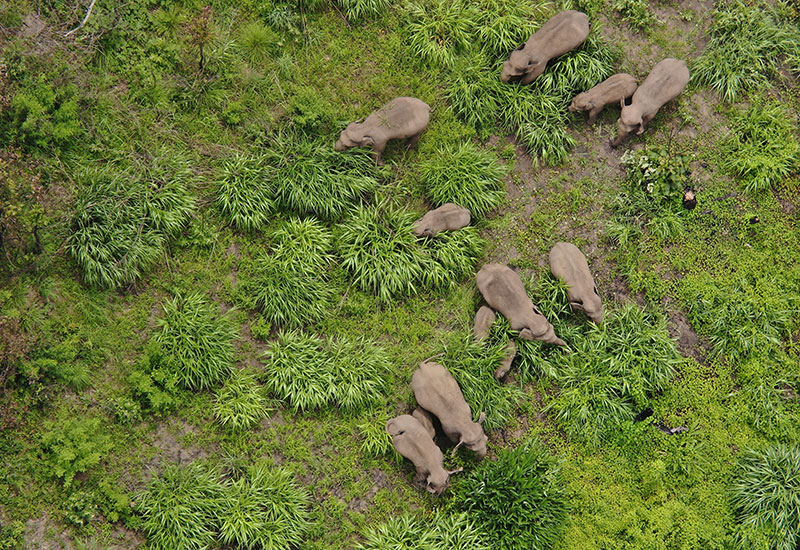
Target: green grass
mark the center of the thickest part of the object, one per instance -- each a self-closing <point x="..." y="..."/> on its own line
<point x="439" y="30"/>
<point x="245" y="197"/>
<point x="440" y="532"/>
<point x="636" y="12"/>
<point x="241" y="402"/>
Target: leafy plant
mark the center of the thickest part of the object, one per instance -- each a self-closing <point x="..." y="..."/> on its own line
<point x="245" y="196"/>
<point x="74" y="446"/>
<point x="241" y="402"/>
<point x="376" y="441"/>
<point x="747" y="44"/>
<point x="182" y="508"/>
<point x="196" y="341"/>
<point x="762" y="149"/>
<point x="518" y="500"/>
<point x="766" y="496"/>
<point x="311" y="373"/>
<point x="657" y="172"/>
<point x="264" y="509"/>
<point x="465" y="175"/>
<point x="154" y="383"/>
<point x="358" y="9"/>
<point x="258" y="42"/>
<point x="502" y="25"/>
<point x="635" y="12"/>
<point x="440" y="29"/>
<point x="440" y="532"/>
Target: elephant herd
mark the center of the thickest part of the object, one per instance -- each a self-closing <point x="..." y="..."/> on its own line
<point x="436" y="391"/>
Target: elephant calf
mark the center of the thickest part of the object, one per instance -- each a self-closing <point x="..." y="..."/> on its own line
<point x="613" y="89"/>
<point x="508" y="358"/>
<point x="666" y="81"/>
<point x="561" y="33"/>
<point x="401" y="118"/>
<point x="437" y="391"/>
<point x="484" y="320"/>
<point x="412" y="440"/>
<point x="503" y="291"/>
<point x="447" y="217"/>
<point x="569" y="264"/>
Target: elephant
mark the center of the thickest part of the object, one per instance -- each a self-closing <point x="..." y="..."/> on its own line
<point x="447" y="217"/>
<point x="613" y="89"/>
<point x="401" y="118"/>
<point x="484" y="319"/>
<point x="561" y="33"/>
<point x="569" y="264"/>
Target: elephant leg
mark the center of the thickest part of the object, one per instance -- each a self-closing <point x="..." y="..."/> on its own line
<point x="593" y="114"/>
<point x="377" y="152"/>
<point x="412" y="141"/>
<point x="527" y="79"/>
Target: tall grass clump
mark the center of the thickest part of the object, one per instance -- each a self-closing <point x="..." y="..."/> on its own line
<point x="766" y="497"/>
<point x="748" y="42"/>
<point x="265" y="508"/>
<point x="309" y="177"/>
<point x="440" y="532"/>
<point x="440" y="29"/>
<point x="240" y="402"/>
<point x="121" y="222"/>
<point x="196" y="342"/>
<point x="244" y="196"/>
<point x="611" y="371"/>
<point x="762" y="150"/>
<point x="258" y="42"/>
<point x="502" y="25"/>
<point x="465" y="175"/>
<point x="181" y="509"/>
<point x="519" y="500"/>
<point x="289" y="283"/>
<point x="360" y="9"/>
<point x="311" y="373"/>
<point x="451" y="257"/>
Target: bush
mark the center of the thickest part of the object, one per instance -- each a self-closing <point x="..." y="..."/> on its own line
<point x="635" y="12"/>
<point x="74" y="446"/>
<point x="766" y="496"/>
<point x="121" y="224"/>
<point x="154" y="383"/>
<point x="377" y="441"/>
<point x="519" y="499"/>
<point x="264" y="509"/>
<point x="441" y="532"/>
<point x="746" y="47"/>
<point x="241" y="402"/>
<point x="358" y="9"/>
<point x="656" y="176"/>
<point x="440" y="29"/>
<point x="465" y="175"/>
<point x="258" y="42"/>
<point x="196" y="341"/>
<point x="311" y="373"/>
<point x="502" y="25"/>
<point x="762" y="149"/>
<point x="182" y="508"/>
<point x="245" y="197"/>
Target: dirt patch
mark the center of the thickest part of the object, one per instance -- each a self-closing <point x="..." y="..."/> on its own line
<point x="45" y="534"/>
<point x="688" y="342"/>
<point x="379" y="481"/>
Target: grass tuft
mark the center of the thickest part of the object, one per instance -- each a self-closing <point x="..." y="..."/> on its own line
<point x="440" y="29"/>
<point x="241" y="402"/>
<point x="245" y="197"/>
<point x="440" y="532"/>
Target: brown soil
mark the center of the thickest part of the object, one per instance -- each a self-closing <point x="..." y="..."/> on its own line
<point x="44" y="534"/>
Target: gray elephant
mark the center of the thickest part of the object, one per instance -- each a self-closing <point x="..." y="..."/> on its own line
<point x="666" y="81"/>
<point x="613" y="89"/>
<point x="448" y="217"/>
<point x="568" y="264"/>
<point x="561" y="33"/>
<point x="401" y="118"/>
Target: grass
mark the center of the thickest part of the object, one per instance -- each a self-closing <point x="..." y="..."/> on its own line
<point x="439" y="30"/>
<point x="244" y="197"/>
<point x="197" y="342"/>
<point x="636" y="12"/>
<point x="360" y="9"/>
<point x="518" y="499"/>
<point x="241" y="402"/>
<point x="465" y="175"/>
<point x="440" y="532"/>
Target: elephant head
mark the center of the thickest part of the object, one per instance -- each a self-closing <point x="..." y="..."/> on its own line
<point x="630" y="119"/>
<point x="580" y="103"/>
<point x="521" y="63"/>
<point x="353" y="136"/>
<point x="592" y="306"/>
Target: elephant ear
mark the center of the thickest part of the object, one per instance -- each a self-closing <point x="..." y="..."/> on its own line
<point x="367" y="141"/>
<point x="641" y="128"/>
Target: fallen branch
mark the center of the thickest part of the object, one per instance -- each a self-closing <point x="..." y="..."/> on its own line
<point x="85" y="19"/>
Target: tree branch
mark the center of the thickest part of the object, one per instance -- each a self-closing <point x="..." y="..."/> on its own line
<point x="85" y="19"/>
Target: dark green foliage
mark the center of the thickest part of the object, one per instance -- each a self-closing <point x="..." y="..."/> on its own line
<point x="748" y="41"/>
<point x="635" y="12"/>
<point x="241" y="402"/>
<point x="154" y="383"/>
<point x="376" y="440"/>
<point x="502" y="25"/>
<point x="770" y="401"/>
<point x="441" y="532"/>
<point x="378" y="248"/>
<point x="182" y="508"/>
<point x="196" y="341"/>
<point x="290" y="283"/>
<point x="264" y="509"/>
<point x="440" y="29"/>
<point x="762" y="150"/>
<point x="258" y="42"/>
<point x="245" y="196"/>
<point x="74" y="446"/>
<point x="122" y="221"/>
<point x="311" y="373"/>
<point x="358" y="9"/>
<point x="70" y="362"/>
<point x="518" y="499"/>
<point x="656" y="176"/>
<point x="766" y="496"/>
<point x="465" y="175"/>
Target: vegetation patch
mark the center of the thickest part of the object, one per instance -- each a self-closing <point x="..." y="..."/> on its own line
<point x="440" y="532"/>
<point x="74" y="446"/>
<point x="241" y="402"/>
<point x="245" y="197"/>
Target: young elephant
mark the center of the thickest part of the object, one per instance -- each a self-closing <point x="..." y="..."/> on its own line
<point x="561" y="33"/>
<point x="412" y="440"/>
<point x="569" y="264"/>
<point x="447" y="217"/>
<point x="503" y="291"/>
<point x="613" y="89"/>
<point x="401" y="118"/>
<point x="437" y="391"/>
<point x="508" y="358"/>
<point x="484" y="320"/>
<point x="666" y="81"/>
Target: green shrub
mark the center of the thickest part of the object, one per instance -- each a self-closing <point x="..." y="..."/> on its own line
<point x="182" y="508"/>
<point x="502" y="25"/>
<point x="74" y="446"/>
<point x="121" y="224"/>
<point x="359" y="9"/>
<point x="311" y="373"/>
<point x="258" y="42"/>
<point x="264" y="509"/>
<point x="747" y="44"/>
<point x="440" y="532"/>
<point x="440" y="29"/>
<point x="768" y="406"/>
<point x="245" y="197"/>
<point x="766" y="496"/>
<point x="762" y="150"/>
<point x="635" y="12"/>
<point x="196" y="341"/>
<point x="452" y="256"/>
<point x="519" y="500"/>
<point x="656" y="176"/>
<point x="465" y="175"/>
<point x="241" y="402"/>
<point x="377" y="441"/>
<point x="154" y="383"/>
